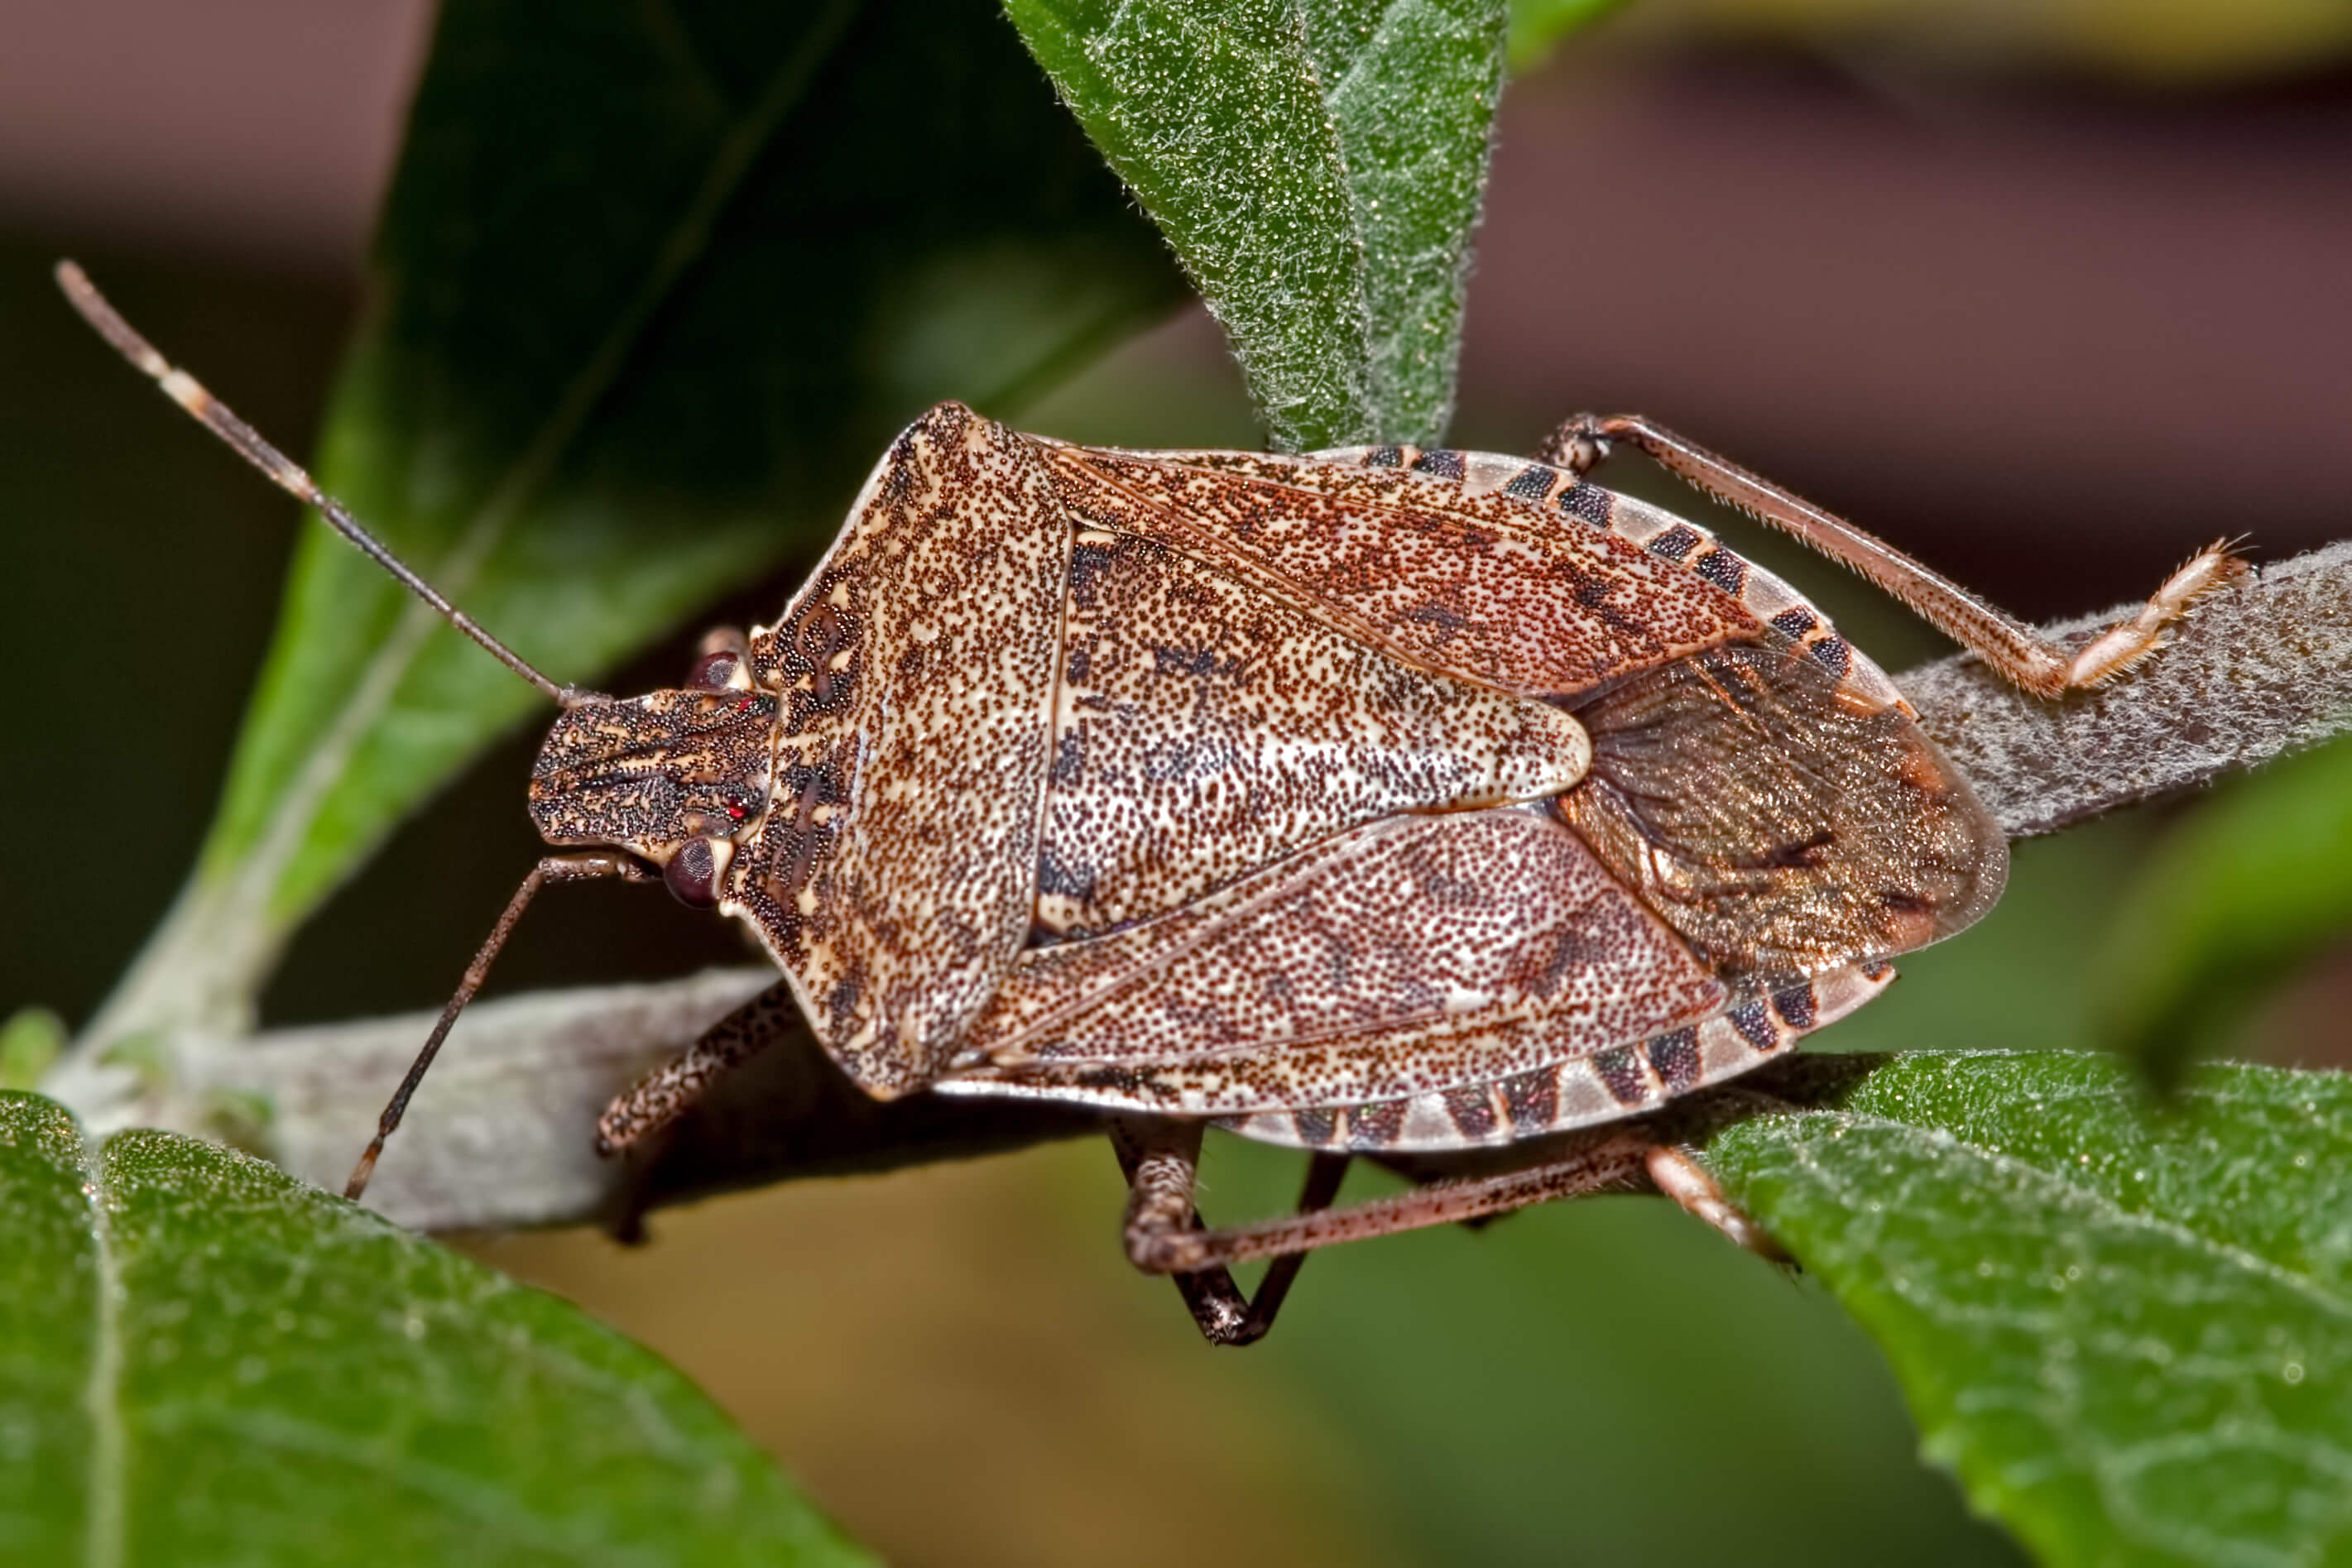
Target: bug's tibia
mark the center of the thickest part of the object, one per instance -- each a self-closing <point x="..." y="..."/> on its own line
<point x="1680" y="1176"/>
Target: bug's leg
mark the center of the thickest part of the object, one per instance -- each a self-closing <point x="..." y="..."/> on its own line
<point x="1162" y="1163"/>
<point x="1685" y="1180"/>
<point x="661" y="1096"/>
<point x="1999" y="638"/>
<point x="1161" y="1160"/>
<point x="1617" y="1164"/>
<point x="554" y="868"/>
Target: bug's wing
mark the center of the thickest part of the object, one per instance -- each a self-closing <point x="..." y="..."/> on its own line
<point x="895" y="872"/>
<point x="1763" y="784"/>
<point x="1774" y="821"/>
<point x="1410" y="955"/>
<point x="1486" y="587"/>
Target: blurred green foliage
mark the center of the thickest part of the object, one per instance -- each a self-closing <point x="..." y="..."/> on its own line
<point x="31" y="1040"/>
<point x="1537" y="24"/>
<point x="2158" y="43"/>
<point x="2249" y="888"/>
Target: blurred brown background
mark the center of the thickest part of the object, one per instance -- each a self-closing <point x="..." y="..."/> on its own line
<point x="2049" y="293"/>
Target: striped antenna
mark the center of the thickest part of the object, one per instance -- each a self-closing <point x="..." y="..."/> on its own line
<point x="215" y="416"/>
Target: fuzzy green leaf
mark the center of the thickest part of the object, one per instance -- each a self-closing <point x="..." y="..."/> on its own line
<point x="2253" y="885"/>
<point x="1318" y="166"/>
<point x="203" y="1361"/>
<point x="2130" y="1334"/>
<point x="654" y="287"/>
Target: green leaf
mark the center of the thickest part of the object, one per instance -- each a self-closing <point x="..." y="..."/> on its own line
<point x="1537" y="24"/>
<point x="203" y="1361"/>
<point x="2130" y="1335"/>
<point x="2246" y="890"/>
<point x="30" y="1041"/>
<point x="654" y="287"/>
<point x="1318" y="166"/>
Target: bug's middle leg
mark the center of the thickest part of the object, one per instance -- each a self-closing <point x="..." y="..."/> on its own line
<point x="1161" y="1160"/>
<point x="2010" y="647"/>
<point x="1170" y="1240"/>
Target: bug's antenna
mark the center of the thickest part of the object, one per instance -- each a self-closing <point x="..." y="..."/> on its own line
<point x="554" y="868"/>
<point x="215" y="416"/>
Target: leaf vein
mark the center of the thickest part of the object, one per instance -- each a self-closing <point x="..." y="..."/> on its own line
<point x="105" y="1520"/>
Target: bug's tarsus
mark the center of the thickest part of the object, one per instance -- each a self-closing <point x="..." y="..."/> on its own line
<point x="2011" y="647"/>
<point x="283" y="471"/>
<point x="553" y="869"/>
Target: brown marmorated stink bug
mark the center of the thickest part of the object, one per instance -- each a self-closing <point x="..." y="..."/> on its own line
<point x="1379" y="801"/>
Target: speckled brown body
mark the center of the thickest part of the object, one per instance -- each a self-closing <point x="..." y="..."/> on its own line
<point x="1380" y="800"/>
<point x="1377" y="800"/>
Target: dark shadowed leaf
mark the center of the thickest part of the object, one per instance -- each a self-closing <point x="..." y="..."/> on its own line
<point x="1318" y="166"/>
<point x="203" y="1361"/>
<point x="2130" y="1334"/>
<point x="654" y="287"/>
<point x="2253" y="883"/>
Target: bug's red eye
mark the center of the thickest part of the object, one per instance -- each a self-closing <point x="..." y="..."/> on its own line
<point x="715" y="672"/>
<point x="692" y="874"/>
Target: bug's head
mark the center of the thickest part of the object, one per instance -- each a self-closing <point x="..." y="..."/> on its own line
<point x="676" y="778"/>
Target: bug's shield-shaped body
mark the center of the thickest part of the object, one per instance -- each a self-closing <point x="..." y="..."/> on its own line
<point x="1377" y="799"/>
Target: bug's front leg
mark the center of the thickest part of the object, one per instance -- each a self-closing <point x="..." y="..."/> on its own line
<point x="1163" y="1160"/>
<point x="663" y="1095"/>
<point x="1999" y="638"/>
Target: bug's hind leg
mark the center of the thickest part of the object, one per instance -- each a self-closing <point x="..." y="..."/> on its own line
<point x="1999" y="638"/>
<point x="1163" y="1160"/>
<point x="663" y="1095"/>
<point x="1684" y="1179"/>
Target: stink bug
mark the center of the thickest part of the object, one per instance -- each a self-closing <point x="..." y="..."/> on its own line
<point x="1379" y="801"/>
